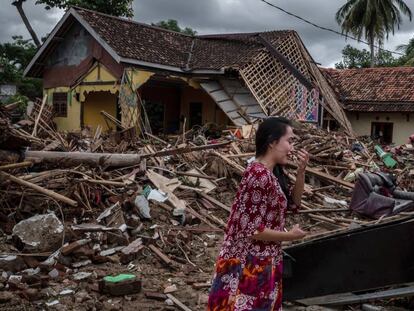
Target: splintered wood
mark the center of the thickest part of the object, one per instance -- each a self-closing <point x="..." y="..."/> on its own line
<point x="159" y="205"/>
<point x="279" y="92"/>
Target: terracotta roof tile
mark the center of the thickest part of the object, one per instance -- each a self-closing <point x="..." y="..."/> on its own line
<point x="138" y="41"/>
<point x="373" y="89"/>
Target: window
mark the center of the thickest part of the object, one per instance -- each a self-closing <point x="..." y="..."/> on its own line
<point x="382" y="131"/>
<point x="60" y="104"/>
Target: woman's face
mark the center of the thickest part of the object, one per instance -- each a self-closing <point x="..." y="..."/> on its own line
<point x="280" y="149"/>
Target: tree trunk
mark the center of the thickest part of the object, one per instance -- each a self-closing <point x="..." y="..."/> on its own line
<point x="75" y="158"/>
<point x="19" y="5"/>
<point x="371" y="46"/>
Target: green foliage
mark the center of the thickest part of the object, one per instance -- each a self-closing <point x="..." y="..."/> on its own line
<point x="14" y="57"/>
<point x="172" y="24"/>
<point x="355" y="58"/>
<point x="408" y="50"/>
<point x="373" y="20"/>
<point x="111" y="7"/>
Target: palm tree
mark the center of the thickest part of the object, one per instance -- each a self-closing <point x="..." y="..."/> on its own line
<point x="373" y="19"/>
<point x="408" y="49"/>
<point x="19" y="6"/>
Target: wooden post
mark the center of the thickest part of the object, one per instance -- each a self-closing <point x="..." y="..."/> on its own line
<point x="39" y="115"/>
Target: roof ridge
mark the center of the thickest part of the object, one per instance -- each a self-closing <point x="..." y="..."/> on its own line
<point x="133" y="22"/>
<point x="206" y="36"/>
<point x="223" y="35"/>
<point x="373" y="68"/>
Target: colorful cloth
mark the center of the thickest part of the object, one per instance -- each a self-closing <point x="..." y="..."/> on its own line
<point x="249" y="272"/>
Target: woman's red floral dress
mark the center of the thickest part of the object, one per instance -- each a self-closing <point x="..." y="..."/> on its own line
<point x="249" y="272"/>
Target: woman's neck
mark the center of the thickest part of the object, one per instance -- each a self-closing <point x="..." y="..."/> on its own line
<point x="268" y="163"/>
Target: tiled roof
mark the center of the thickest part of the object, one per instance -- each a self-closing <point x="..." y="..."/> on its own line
<point x="139" y="41"/>
<point x="133" y="40"/>
<point x="379" y="106"/>
<point x="373" y="89"/>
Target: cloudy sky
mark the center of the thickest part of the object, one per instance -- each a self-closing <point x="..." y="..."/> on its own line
<point x="222" y="16"/>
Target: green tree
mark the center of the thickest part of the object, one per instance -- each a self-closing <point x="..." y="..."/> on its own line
<point x="372" y="19"/>
<point x="14" y="57"/>
<point x="355" y="58"/>
<point x="408" y="50"/>
<point x="111" y="7"/>
<point x="172" y="24"/>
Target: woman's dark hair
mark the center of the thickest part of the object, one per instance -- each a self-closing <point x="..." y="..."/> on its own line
<point x="270" y="130"/>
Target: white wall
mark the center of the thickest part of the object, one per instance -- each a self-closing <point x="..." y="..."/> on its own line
<point x="403" y="127"/>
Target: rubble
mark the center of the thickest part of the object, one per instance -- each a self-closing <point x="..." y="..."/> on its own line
<point x="120" y="285"/>
<point x="159" y="216"/>
<point x="39" y="233"/>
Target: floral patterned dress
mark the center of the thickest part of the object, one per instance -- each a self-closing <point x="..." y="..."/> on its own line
<point x="248" y="272"/>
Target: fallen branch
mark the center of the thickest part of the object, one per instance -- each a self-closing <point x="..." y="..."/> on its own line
<point x="15" y="165"/>
<point x="47" y="192"/>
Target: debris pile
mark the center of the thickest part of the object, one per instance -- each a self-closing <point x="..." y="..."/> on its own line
<point x="113" y="220"/>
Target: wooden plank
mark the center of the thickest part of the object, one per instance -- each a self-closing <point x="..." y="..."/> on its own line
<point x="160" y="254"/>
<point x="182" y="150"/>
<point x="178" y="303"/>
<point x="214" y="201"/>
<point x="159" y="182"/>
<point x="39" y="115"/>
<point x="16" y="165"/>
<point x="325" y="176"/>
<point x="47" y="192"/>
<point x="350" y="298"/>
<point x="194" y="175"/>
<point x="240" y="169"/>
<point x="77" y="157"/>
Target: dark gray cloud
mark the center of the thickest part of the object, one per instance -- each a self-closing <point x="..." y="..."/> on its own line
<point x="223" y="16"/>
<point x="41" y="20"/>
<point x="216" y="16"/>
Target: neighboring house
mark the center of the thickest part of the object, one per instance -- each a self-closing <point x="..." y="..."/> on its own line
<point x="92" y="62"/>
<point x="379" y="102"/>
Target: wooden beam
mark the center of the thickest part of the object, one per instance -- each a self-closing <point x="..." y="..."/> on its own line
<point x="325" y="176"/>
<point x="175" y="151"/>
<point x="160" y="254"/>
<point x="47" y="192"/>
<point x="16" y="165"/>
<point x="214" y="201"/>
<point x="352" y="298"/>
<point x="109" y="159"/>
<point x="39" y="115"/>
<point x="286" y="63"/>
<point x="178" y="303"/>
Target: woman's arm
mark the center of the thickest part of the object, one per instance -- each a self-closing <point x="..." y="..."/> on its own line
<point x="278" y="236"/>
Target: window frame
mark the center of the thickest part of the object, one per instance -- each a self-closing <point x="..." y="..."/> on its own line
<point x="60" y="105"/>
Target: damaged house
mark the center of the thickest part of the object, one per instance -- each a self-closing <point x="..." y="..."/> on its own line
<point x="379" y="102"/>
<point x="104" y="71"/>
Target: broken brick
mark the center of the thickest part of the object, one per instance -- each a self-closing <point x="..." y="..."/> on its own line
<point x="120" y="288"/>
<point x="130" y="252"/>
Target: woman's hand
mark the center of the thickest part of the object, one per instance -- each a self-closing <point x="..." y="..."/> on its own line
<point x="296" y="233"/>
<point x="302" y="160"/>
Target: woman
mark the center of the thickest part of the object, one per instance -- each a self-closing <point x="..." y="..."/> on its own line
<point x="249" y="267"/>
